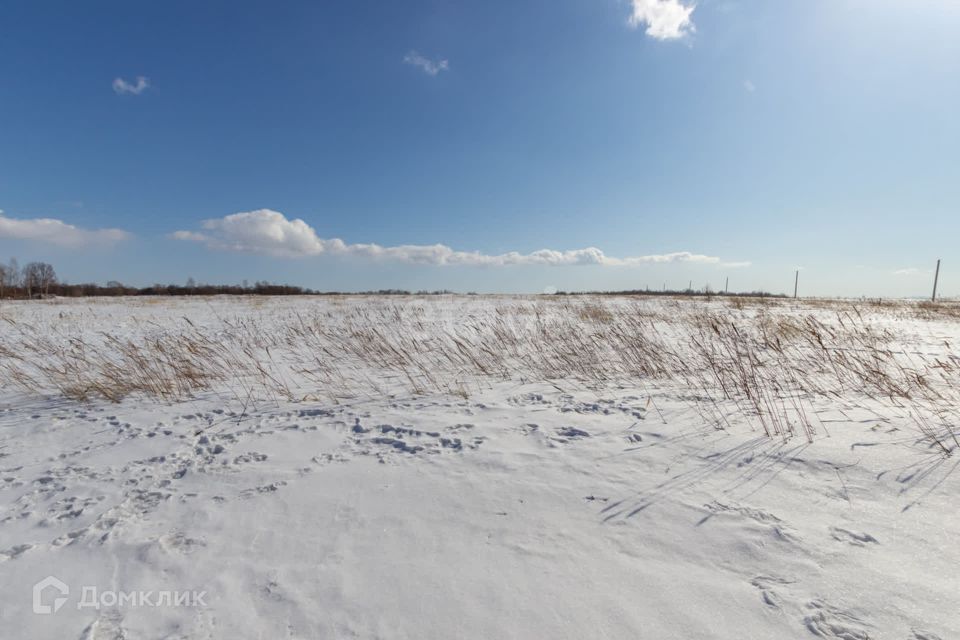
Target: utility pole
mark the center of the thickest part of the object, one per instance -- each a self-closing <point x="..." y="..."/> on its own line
<point x="726" y="287"/>
<point x="796" y="281"/>
<point x="936" y="276"/>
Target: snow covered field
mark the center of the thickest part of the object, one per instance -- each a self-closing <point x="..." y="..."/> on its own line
<point x="479" y="467"/>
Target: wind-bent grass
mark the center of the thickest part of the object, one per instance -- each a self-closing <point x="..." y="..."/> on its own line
<point x="768" y="363"/>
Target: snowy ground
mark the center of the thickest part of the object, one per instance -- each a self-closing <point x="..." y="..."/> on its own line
<point x="439" y="502"/>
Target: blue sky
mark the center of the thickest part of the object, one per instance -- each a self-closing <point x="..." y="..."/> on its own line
<point x="578" y="144"/>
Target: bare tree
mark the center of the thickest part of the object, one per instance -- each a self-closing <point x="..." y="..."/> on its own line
<point x="47" y="277"/>
<point x="38" y="277"/>
<point x="12" y="274"/>
<point x="3" y="279"/>
<point x="31" y="277"/>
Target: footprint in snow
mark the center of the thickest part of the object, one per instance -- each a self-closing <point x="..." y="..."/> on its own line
<point x="107" y="626"/>
<point x="852" y="537"/>
<point x="826" y="621"/>
<point x="768" y="592"/>
<point x="14" y="552"/>
<point x="264" y="489"/>
<point x="180" y="543"/>
<point x="570" y="432"/>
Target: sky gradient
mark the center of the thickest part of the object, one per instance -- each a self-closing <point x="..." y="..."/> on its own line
<point x="485" y="146"/>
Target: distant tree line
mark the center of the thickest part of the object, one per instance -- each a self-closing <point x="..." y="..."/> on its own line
<point x="706" y="292"/>
<point x="39" y="280"/>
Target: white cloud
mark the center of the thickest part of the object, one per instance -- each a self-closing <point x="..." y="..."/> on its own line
<point x="137" y="87"/>
<point x="430" y="67"/>
<point x="57" y="232"/>
<point x="749" y="86"/>
<point x="665" y="19"/>
<point x="263" y="231"/>
<point x="913" y="271"/>
<point x="271" y="233"/>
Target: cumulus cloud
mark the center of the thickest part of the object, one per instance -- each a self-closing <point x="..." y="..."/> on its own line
<point x="57" y="232"/>
<point x="136" y="87"/>
<point x="263" y="231"/>
<point x="428" y="66"/>
<point x="665" y="19"/>
<point x="271" y="233"/>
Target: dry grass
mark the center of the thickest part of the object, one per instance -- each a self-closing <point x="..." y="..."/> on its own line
<point x="771" y="364"/>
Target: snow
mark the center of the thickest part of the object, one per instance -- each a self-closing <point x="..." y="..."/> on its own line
<point x="506" y="506"/>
